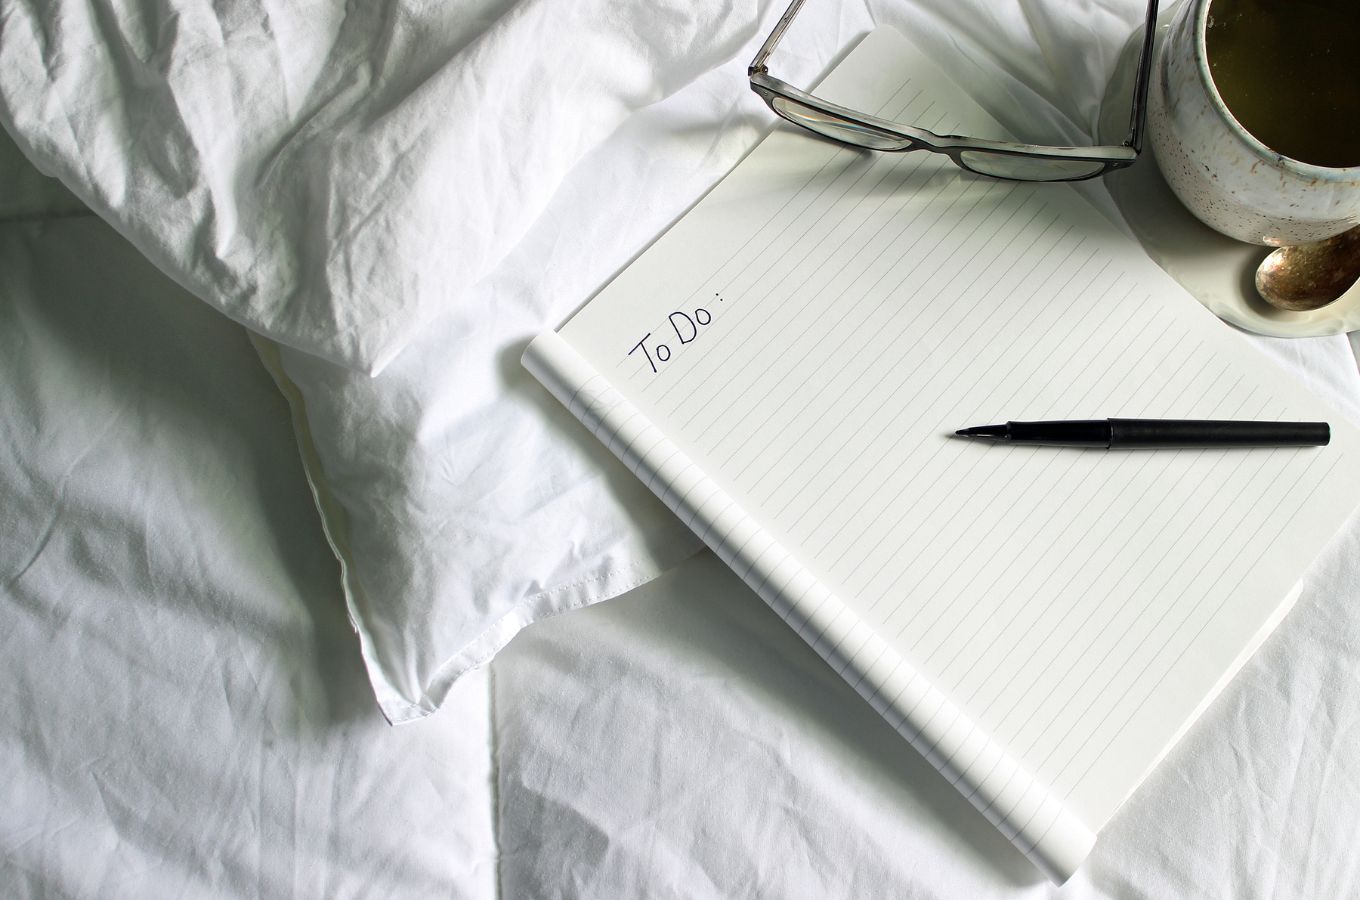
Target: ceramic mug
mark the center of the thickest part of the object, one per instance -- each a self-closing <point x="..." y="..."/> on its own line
<point x="1220" y="170"/>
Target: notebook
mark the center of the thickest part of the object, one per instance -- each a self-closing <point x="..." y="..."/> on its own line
<point x="785" y="368"/>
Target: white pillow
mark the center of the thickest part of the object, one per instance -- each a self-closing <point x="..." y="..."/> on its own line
<point x="335" y="175"/>
<point x="341" y="178"/>
<point x="463" y="499"/>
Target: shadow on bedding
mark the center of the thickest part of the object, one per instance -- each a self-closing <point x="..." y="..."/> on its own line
<point x="682" y="734"/>
<point x="129" y="402"/>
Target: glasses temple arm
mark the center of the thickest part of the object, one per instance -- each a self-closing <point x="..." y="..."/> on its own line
<point x="758" y="64"/>
<point x="1138" y="118"/>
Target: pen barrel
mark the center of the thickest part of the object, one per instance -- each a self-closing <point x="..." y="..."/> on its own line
<point x="1216" y="433"/>
<point x="1067" y="433"/>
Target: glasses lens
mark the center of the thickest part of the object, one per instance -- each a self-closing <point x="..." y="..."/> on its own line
<point x="1029" y="168"/>
<point x="834" y="127"/>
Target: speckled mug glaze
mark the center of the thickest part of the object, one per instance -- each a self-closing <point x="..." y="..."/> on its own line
<point x="1227" y="178"/>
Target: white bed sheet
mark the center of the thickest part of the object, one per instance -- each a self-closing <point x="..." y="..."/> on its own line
<point x="185" y="712"/>
<point x="673" y="742"/>
<point x="681" y="741"/>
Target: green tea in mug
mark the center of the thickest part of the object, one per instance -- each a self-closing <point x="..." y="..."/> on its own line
<point x="1289" y="72"/>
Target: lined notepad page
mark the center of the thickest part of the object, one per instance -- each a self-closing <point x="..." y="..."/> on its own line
<point x="812" y="333"/>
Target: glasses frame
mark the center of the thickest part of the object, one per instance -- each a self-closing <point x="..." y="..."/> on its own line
<point x="1110" y="157"/>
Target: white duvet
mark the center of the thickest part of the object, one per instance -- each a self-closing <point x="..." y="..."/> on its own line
<point x="417" y="189"/>
<point x="183" y="708"/>
<point x="336" y="176"/>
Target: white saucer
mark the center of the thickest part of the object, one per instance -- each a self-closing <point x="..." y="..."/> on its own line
<point x="1217" y="270"/>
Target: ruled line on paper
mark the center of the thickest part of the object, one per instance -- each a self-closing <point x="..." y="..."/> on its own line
<point x="1284" y="522"/>
<point x="754" y="313"/>
<point x="1046" y="700"/>
<point x="928" y="339"/>
<point x="985" y="590"/>
<point x="1081" y="570"/>
<point x="875" y="523"/>
<point x="1214" y="528"/>
<point x="790" y="318"/>
<point x="838" y="154"/>
<point x="833" y="379"/>
<point x="1095" y="575"/>
<point x="980" y="481"/>
<point x="840" y="447"/>
<point x="750" y="308"/>
<point x="967" y="589"/>
<point x="886" y="297"/>
<point x="1023" y="752"/>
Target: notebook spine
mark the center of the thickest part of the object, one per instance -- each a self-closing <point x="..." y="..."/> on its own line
<point x="1022" y="808"/>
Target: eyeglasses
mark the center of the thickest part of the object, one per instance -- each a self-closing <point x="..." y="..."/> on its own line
<point x="998" y="159"/>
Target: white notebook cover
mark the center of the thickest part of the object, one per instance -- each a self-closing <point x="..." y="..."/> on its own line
<point x="785" y="368"/>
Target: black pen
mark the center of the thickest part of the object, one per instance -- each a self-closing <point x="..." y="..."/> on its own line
<point x="1116" y="434"/>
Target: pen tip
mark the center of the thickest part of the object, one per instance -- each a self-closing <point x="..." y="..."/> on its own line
<point x="986" y="431"/>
